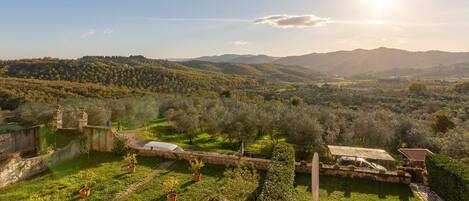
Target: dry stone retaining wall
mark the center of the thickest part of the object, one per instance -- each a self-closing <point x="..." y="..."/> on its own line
<point x="17" y="169"/>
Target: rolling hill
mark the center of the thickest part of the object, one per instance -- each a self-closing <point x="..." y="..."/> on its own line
<point x="359" y="61"/>
<point x="371" y="61"/>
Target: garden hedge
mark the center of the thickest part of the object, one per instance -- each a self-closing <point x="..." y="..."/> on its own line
<point x="278" y="184"/>
<point x="448" y="178"/>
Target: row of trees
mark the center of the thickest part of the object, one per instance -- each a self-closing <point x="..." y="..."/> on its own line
<point x="307" y="127"/>
<point x="310" y="128"/>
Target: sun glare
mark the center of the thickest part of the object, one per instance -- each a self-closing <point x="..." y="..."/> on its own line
<point x="381" y="5"/>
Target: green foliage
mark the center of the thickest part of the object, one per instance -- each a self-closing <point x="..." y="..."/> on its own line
<point x="462" y="87"/>
<point x="241" y="182"/>
<point x="442" y="122"/>
<point x="170" y="185"/>
<point x="417" y="88"/>
<point x="448" y="177"/>
<point x="120" y="146"/>
<point x="278" y="184"/>
<point x="16" y="91"/>
<point x="87" y="179"/>
<point x="153" y="75"/>
<point x="196" y="165"/>
<point x="130" y="159"/>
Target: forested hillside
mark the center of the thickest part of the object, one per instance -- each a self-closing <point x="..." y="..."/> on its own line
<point x="15" y="91"/>
<point x="261" y="72"/>
<point x="131" y="72"/>
<point x="460" y="70"/>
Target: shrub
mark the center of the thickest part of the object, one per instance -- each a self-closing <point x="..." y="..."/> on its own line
<point x="87" y="179"/>
<point x="241" y="182"/>
<point x="278" y="184"/>
<point x="196" y="165"/>
<point x="170" y="185"/>
<point x="120" y="145"/>
<point x="447" y="177"/>
<point x="130" y="159"/>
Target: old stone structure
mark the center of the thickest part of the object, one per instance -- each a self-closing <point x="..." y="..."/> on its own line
<point x="17" y="168"/>
<point x="24" y="141"/>
<point x="100" y="138"/>
<point x="82" y="119"/>
<point x="57" y="118"/>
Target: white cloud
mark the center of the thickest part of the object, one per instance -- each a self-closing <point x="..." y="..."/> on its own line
<point x="108" y="31"/>
<point x="240" y="43"/>
<point x="292" y="21"/>
<point x="90" y="32"/>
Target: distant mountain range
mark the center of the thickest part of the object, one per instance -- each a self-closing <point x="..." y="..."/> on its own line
<point x="236" y="58"/>
<point x="359" y="61"/>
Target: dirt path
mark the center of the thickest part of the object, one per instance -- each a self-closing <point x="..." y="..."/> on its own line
<point x="424" y="192"/>
<point x="123" y="195"/>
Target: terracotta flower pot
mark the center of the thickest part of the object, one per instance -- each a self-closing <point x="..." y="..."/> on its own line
<point x="196" y="177"/>
<point x="131" y="168"/>
<point x="85" y="192"/>
<point x="171" y="197"/>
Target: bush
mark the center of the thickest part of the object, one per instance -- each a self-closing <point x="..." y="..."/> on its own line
<point x="448" y="178"/>
<point x="120" y="146"/>
<point x="278" y="184"/>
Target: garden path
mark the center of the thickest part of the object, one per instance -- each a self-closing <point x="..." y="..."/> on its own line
<point x="424" y="192"/>
<point x="123" y="195"/>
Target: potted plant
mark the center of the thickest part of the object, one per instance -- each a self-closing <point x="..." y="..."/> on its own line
<point x="169" y="186"/>
<point x="87" y="179"/>
<point x="130" y="160"/>
<point x="196" y="165"/>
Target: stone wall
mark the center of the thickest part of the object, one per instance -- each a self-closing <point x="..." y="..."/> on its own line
<point x="24" y="141"/>
<point x="17" y="169"/>
<point x="100" y="138"/>
<point x="263" y="164"/>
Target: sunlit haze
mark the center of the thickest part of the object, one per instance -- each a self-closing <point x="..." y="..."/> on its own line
<point x="191" y="28"/>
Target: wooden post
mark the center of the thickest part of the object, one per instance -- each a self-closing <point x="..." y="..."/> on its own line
<point x="315" y="177"/>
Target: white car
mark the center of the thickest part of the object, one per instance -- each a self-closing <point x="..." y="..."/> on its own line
<point x="164" y="146"/>
<point x="358" y="162"/>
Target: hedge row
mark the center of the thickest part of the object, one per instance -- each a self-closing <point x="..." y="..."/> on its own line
<point x="278" y="184"/>
<point x="448" y="178"/>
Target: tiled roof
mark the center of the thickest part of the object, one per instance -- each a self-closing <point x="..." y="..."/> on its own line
<point x="415" y="154"/>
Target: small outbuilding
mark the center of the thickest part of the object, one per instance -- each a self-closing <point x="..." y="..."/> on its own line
<point x="359" y="152"/>
<point x="414" y="157"/>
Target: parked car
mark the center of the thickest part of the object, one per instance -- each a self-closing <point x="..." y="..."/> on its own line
<point x="164" y="146"/>
<point x="358" y="162"/>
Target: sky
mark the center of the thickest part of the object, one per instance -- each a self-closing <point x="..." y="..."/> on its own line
<point x="192" y="28"/>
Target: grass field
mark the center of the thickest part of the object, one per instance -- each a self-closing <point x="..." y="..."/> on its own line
<point x="60" y="183"/>
<point x="161" y="130"/>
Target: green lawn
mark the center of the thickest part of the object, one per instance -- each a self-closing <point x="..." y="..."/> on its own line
<point x="60" y="183"/>
<point x="211" y="184"/>
<point x="337" y="188"/>
<point x="162" y="130"/>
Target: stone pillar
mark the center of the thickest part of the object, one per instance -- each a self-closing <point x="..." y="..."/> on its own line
<point x="82" y="119"/>
<point x="57" y="118"/>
